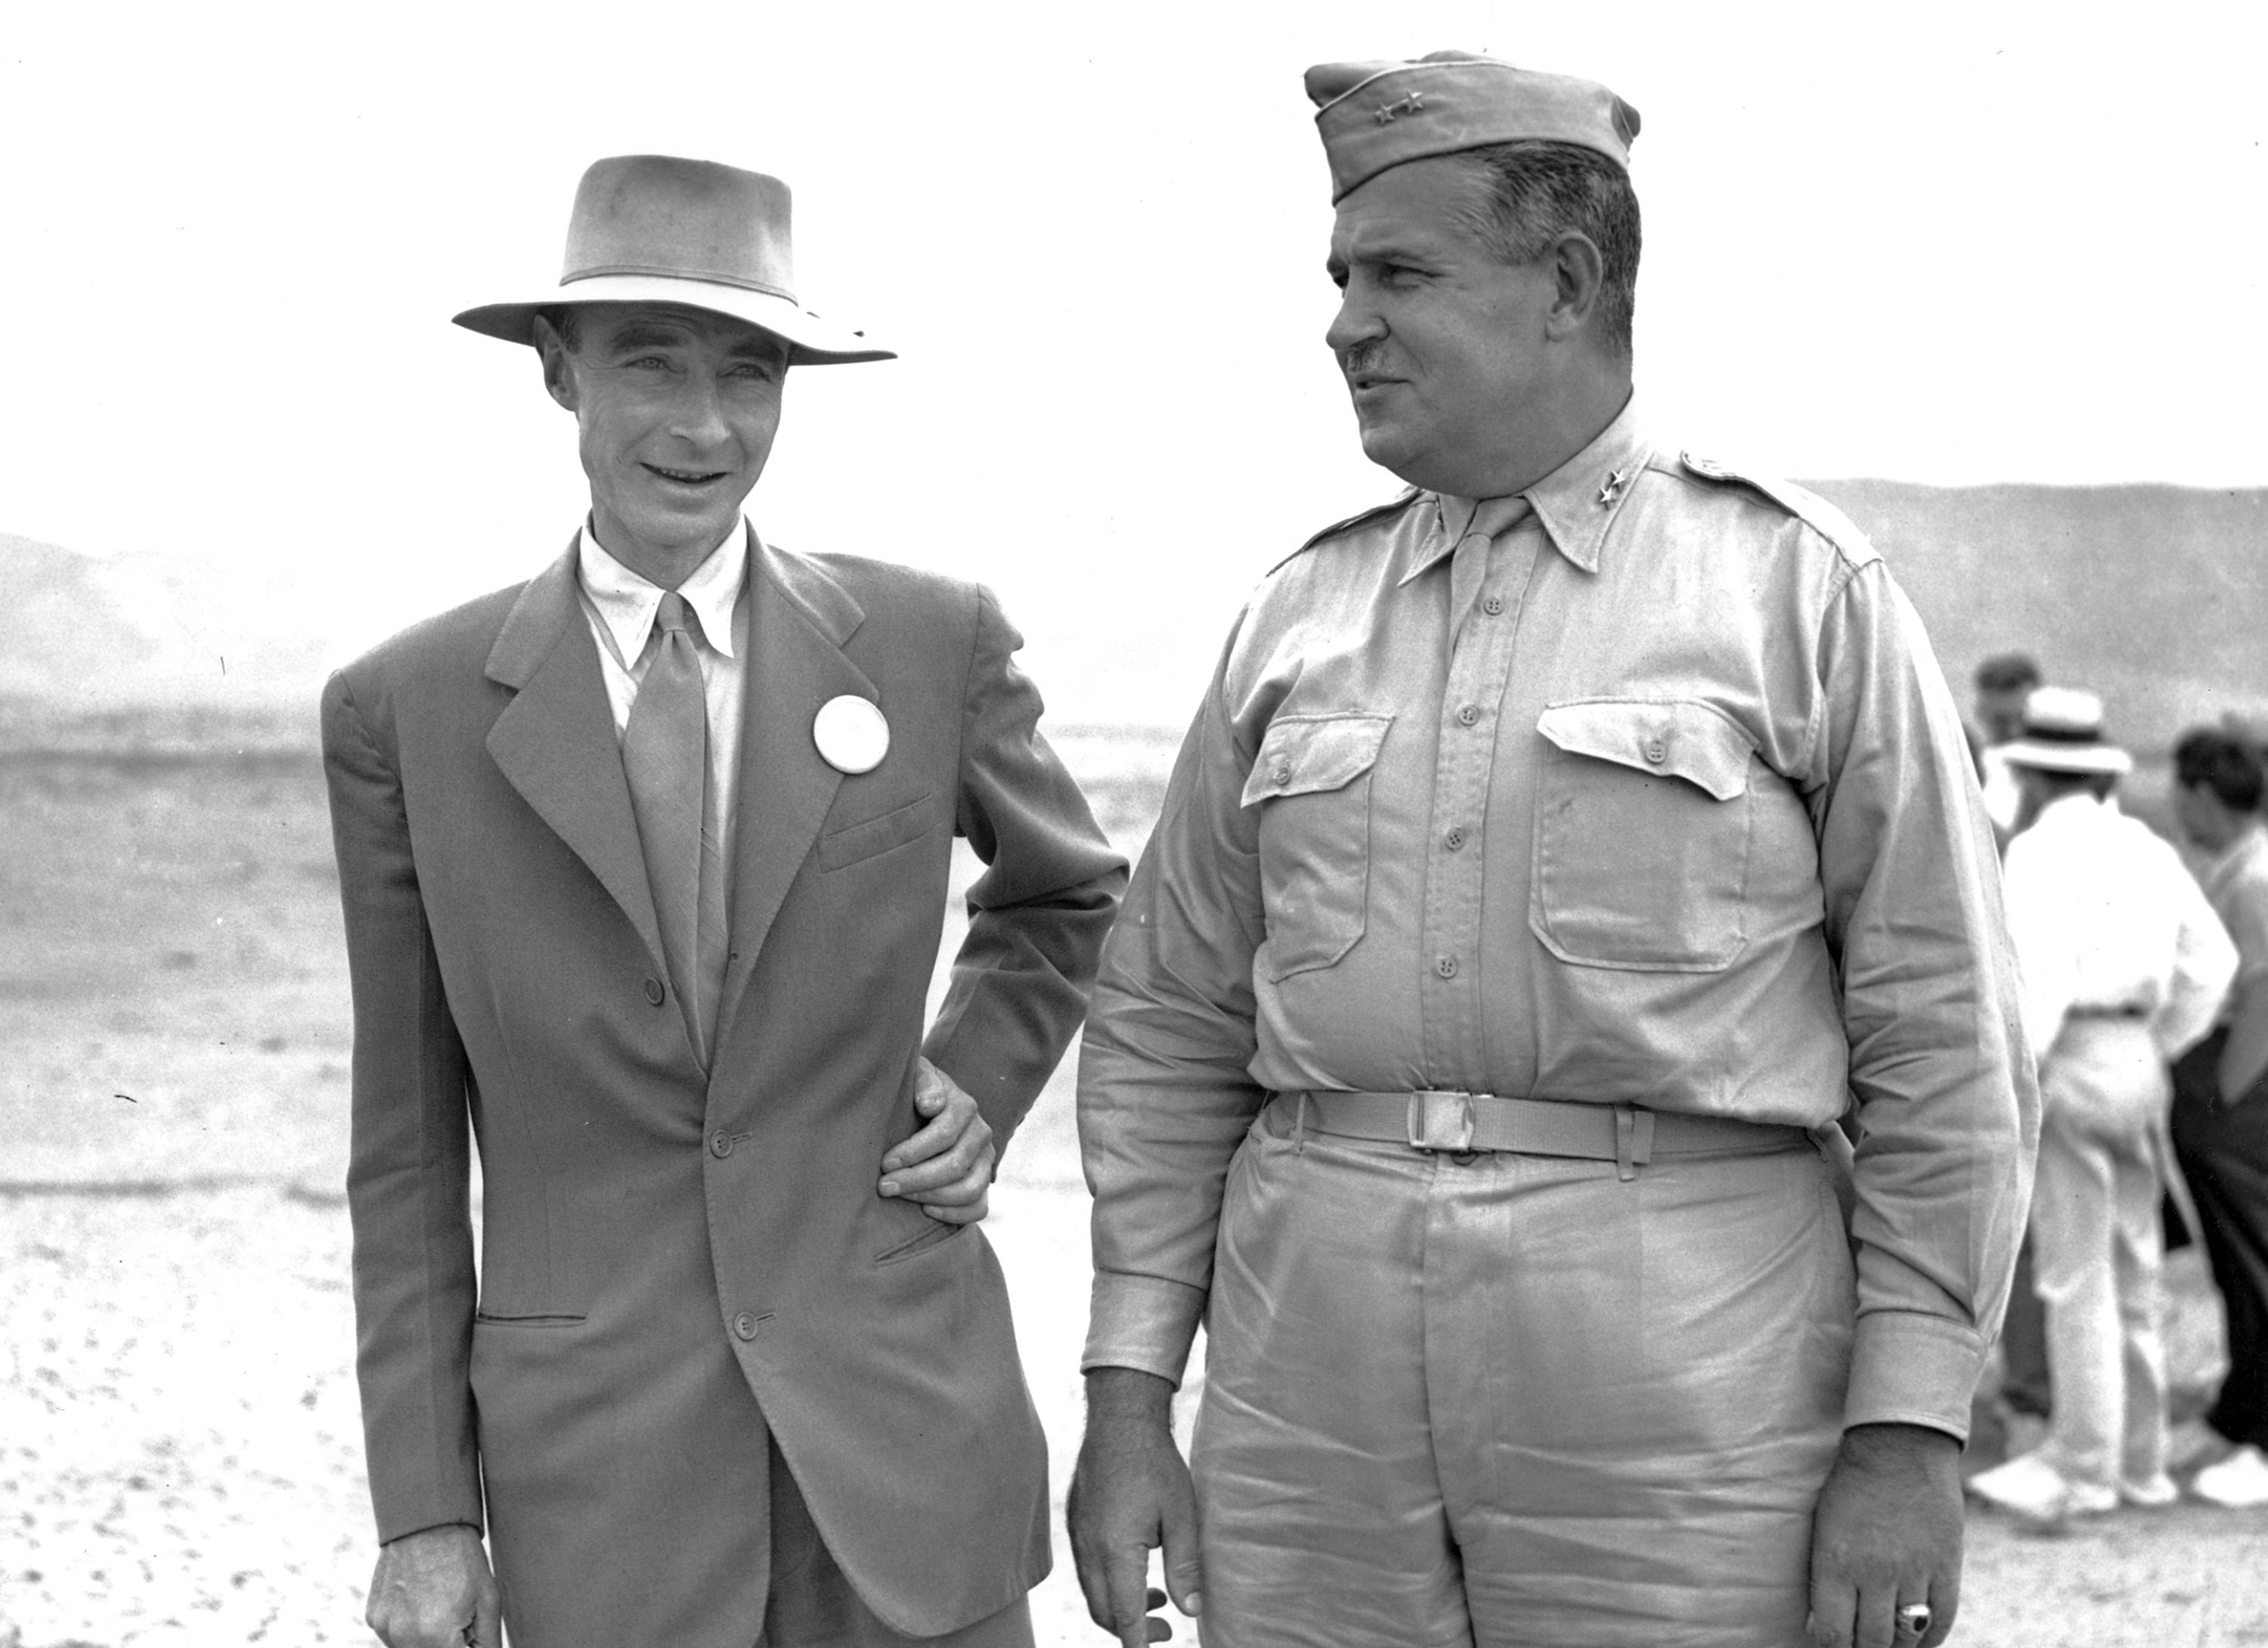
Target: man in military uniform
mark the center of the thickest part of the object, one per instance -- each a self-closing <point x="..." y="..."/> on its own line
<point x="1557" y="852"/>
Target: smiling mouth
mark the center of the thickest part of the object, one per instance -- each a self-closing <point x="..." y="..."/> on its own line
<point x="686" y="477"/>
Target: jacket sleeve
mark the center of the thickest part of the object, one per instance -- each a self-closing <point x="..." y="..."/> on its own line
<point x="1947" y="1106"/>
<point x="1038" y="915"/>
<point x="1165" y="1092"/>
<point x="408" y="1164"/>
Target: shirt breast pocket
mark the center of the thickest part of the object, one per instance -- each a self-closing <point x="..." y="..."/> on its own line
<point x="1642" y="832"/>
<point x="1311" y="783"/>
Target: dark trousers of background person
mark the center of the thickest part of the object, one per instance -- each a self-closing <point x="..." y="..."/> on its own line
<point x="2024" y="1384"/>
<point x="2223" y="1153"/>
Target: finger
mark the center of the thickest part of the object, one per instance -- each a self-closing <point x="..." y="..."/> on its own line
<point x="924" y="1178"/>
<point x="1178" y="1521"/>
<point x="1126" y="1569"/>
<point x="1874" y="1619"/>
<point x="488" y="1620"/>
<point x="1944" y="1603"/>
<point x="964" y="1213"/>
<point x="940" y="1135"/>
<point x="1834" y="1603"/>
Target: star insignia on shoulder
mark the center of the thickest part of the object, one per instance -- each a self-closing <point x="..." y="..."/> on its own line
<point x="1609" y="487"/>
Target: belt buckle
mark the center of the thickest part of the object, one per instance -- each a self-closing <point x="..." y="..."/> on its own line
<point x="1440" y="1120"/>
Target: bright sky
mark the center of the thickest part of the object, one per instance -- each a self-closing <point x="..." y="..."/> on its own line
<point x="1973" y="243"/>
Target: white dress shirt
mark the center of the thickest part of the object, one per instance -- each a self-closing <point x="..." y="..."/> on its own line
<point x="2106" y="919"/>
<point x="620" y="606"/>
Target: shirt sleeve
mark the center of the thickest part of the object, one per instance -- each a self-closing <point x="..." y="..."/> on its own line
<point x="1038" y="914"/>
<point x="1165" y="1095"/>
<point x="2205" y="963"/>
<point x="1939" y="1069"/>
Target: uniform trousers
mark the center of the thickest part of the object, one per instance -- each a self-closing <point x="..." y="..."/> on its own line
<point x="2223" y="1151"/>
<point x="811" y="1604"/>
<point x="1501" y="1399"/>
<point x="2097" y="1249"/>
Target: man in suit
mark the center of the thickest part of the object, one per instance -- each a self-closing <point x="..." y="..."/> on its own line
<point x="644" y="864"/>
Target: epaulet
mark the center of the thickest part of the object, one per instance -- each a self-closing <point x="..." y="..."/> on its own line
<point x="1807" y="506"/>
<point x="1332" y="531"/>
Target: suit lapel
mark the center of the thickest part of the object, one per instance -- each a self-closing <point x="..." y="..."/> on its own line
<point x="556" y="740"/>
<point x="798" y="619"/>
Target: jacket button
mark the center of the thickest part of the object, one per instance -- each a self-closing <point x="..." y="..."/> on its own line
<point x="654" y="991"/>
<point x="1446" y="966"/>
<point x="1493" y="605"/>
<point x="1454" y="839"/>
<point x="720" y="1143"/>
<point x="1468" y="714"/>
<point x="745" y="1325"/>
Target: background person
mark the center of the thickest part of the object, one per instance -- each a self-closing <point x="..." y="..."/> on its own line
<point x="2124" y="966"/>
<point x="2220" y="1100"/>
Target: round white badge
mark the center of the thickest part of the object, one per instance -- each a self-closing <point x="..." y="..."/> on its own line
<point x="851" y="735"/>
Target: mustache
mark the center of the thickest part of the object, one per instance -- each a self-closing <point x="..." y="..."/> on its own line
<point x="1362" y="359"/>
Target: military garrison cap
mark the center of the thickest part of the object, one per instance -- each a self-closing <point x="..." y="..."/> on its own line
<point x="1373" y="115"/>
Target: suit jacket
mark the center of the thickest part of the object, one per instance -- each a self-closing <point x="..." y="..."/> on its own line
<point x="675" y="1261"/>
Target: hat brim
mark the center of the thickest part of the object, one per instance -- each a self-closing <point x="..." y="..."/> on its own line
<point x="2097" y="760"/>
<point x="811" y="340"/>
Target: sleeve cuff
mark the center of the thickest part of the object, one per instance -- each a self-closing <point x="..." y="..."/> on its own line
<point x="1142" y="1322"/>
<point x="1910" y="1368"/>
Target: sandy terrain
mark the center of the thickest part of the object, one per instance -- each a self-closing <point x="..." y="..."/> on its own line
<point x="180" y="1452"/>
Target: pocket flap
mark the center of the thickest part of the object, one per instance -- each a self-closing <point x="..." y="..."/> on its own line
<point x="1304" y="753"/>
<point x="1681" y="737"/>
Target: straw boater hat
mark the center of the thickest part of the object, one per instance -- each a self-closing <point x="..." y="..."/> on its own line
<point x="655" y="229"/>
<point x="2063" y="733"/>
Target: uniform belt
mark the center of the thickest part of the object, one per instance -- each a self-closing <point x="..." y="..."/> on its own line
<point x="2116" y="1010"/>
<point x="1626" y="1135"/>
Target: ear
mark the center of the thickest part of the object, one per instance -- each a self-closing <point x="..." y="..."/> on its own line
<point x="558" y="372"/>
<point x="1578" y="274"/>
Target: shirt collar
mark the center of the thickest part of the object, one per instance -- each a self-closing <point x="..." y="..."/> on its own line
<point x="1575" y="503"/>
<point x="626" y="600"/>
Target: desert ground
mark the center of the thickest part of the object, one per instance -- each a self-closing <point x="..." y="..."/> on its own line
<point x="179" y="1451"/>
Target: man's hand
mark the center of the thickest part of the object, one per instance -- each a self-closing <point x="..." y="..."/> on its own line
<point x="947" y="1167"/>
<point x="1130" y="1493"/>
<point x="1886" y="1535"/>
<point x="433" y="1590"/>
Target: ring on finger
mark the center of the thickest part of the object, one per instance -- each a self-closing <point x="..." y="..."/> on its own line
<point x="1914" y="1619"/>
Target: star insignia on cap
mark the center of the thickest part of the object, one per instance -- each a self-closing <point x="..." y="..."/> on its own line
<point x="1608" y="487"/>
<point x="1413" y="104"/>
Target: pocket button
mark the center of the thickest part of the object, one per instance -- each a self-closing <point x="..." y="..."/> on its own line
<point x="1656" y="751"/>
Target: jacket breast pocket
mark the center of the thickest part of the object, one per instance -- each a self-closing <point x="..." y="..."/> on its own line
<point x="1642" y="825"/>
<point x="1311" y="783"/>
<point x="854" y="843"/>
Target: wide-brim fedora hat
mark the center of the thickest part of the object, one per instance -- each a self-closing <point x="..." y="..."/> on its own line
<point x="657" y="229"/>
<point x="2063" y="733"/>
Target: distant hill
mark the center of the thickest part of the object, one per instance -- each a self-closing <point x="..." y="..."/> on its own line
<point x="146" y="648"/>
<point x="2156" y="597"/>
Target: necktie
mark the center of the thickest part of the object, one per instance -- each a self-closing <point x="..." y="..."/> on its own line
<point x="665" y="758"/>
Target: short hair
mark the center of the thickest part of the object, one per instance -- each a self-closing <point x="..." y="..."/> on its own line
<point x="1538" y="191"/>
<point x="2229" y="767"/>
<point x="566" y="320"/>
<point x="2009" y="672"/>
<point x="2057" y="784"/>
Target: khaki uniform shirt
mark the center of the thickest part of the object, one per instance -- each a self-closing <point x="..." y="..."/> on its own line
<point x="1640" y="787"/>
